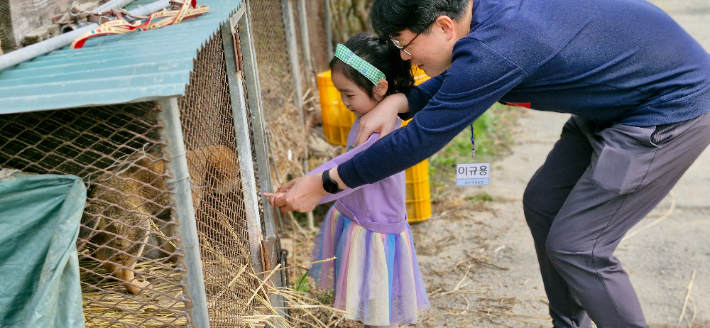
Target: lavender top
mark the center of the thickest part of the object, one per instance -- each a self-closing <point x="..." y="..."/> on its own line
<point x="378" y="207"/>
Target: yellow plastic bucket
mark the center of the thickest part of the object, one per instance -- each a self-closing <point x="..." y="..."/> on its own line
<point x="418" y="194"/>
<point x="337" y="119"/>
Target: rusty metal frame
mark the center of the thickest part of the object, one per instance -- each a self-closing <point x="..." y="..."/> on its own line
<point x="182" y="198"/>
<point x="271" y="243"/>
<point x="246" y="167"/>
<point x="251" y="77"/>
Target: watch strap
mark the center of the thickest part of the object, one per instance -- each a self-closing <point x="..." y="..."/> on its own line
<point x="329" y="184"/>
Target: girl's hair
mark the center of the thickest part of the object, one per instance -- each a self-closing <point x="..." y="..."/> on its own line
<point x="380" y="53"/>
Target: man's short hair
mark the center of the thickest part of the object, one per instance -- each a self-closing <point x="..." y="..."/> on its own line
<point x="390" y="17"/>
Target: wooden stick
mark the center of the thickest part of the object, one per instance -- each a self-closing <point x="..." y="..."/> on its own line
<point x="295" y="223"/>
<point x="459" y="284"/>
<point x="687" y="296"/>
<point x="214" y="299"/>
<point x="261" y="284"/>
<point x="302" y="266"/>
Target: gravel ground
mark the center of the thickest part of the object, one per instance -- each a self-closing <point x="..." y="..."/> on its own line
<point x="479" y="262"/>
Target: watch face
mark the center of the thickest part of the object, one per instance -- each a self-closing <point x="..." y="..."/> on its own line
<point x="330" y="186"/>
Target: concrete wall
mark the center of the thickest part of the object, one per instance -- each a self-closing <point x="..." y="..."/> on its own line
<point x="20" y="17"/>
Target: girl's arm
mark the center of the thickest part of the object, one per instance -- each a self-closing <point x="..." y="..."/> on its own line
<point x="477" y="78"/>
<point x="314" y="179"/>
<point x="341" y="159"/>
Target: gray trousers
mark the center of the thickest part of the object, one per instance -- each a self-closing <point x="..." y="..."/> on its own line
<point x="597" y="183"/>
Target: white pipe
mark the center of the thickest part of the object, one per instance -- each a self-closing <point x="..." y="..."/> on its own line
<point x="22" y="55"/>
<point x="150" y="8"/>
<point x="113" y="4"/>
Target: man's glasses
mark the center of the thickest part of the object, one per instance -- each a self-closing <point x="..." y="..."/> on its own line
<point x="403" y="47"/>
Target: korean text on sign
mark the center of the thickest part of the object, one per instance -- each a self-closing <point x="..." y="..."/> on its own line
<point x="475" y="174"/>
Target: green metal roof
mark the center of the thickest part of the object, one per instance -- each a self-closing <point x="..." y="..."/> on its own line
<point x="113" y="69"/>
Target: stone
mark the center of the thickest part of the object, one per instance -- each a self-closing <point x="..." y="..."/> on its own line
<point x="37" y="35"/>
<point x="53" y="29"/>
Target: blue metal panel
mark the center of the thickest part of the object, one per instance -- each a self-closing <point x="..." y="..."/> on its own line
<point x="113" y="69"/>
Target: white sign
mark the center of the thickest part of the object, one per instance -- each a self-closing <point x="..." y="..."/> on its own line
<point x="475" y="174"/>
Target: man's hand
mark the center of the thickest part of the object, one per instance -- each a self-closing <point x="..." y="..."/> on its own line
<point x="300" y="194"/>
<point x="381" y="118"/>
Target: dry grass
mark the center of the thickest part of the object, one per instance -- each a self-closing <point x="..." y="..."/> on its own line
<point x="106" y="303"/>
<point x="310" y="306"/>
<point x="287" y="144"/>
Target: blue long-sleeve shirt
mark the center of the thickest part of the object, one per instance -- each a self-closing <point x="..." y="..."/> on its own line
<point x="609" y="61"/>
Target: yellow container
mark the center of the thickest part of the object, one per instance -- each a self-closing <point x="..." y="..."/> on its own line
<point x="418" y="195"/>
<point x="419" y="75"/>
<point x="337" y="120"/>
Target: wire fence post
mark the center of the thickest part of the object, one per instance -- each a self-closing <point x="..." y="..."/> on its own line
<point x="328" y="28"/>
<point x="303" y="24"/>
<point x="243" y="138"/>
<point x="292" y="50"/>
<point x="182" y="198"/>
<point x="295" y="75"/>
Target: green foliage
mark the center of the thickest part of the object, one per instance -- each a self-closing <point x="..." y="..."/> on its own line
<point x="480" y="198"/>
<point x="326" y="296"/>
<point x="492" y="137"/>
<point x="302" y="284"/>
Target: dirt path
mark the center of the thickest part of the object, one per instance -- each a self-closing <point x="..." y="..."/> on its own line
<point x="479" y="263"/>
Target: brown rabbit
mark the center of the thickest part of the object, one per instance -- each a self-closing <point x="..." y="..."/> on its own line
<point x="120" y="206"/>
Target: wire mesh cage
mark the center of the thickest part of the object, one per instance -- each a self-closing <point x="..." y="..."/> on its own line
<point x="277" y="86"/>
<point x="126" y="242"/>
<point x="209" y="133"/>
<point x="133" y="247"/>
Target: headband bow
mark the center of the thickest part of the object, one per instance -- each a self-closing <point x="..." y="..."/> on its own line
<point x="370" y="72"/>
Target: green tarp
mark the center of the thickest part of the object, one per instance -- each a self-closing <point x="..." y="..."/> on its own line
<point x="39" y="267"/>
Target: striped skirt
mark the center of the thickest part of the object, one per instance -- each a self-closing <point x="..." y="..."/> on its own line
<point x="375" y="276"/>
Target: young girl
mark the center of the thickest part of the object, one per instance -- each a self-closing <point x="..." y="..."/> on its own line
<point x="375" y="275"/>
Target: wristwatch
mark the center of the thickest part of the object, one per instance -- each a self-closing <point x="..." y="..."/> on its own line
<point x="329" y="184"/>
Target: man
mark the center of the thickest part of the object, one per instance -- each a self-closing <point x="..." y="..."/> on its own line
<point x="638" y="87"/>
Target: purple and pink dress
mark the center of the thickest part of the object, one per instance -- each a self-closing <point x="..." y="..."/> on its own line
<point x="375" y="276"/>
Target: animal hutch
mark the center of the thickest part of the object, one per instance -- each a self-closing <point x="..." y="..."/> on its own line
<point x="165" y="128"/>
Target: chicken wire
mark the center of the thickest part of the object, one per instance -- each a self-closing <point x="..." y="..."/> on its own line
<point x="284" y="121"/>
<point x="132" y="270"/>
<point x="240" y="69"/>
<point x="207" y="122"/>
<point x="120" y="153"/>
<point x="127" y="230"/>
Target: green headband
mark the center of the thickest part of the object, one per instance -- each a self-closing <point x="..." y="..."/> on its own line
<point x="370" y="72"/>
